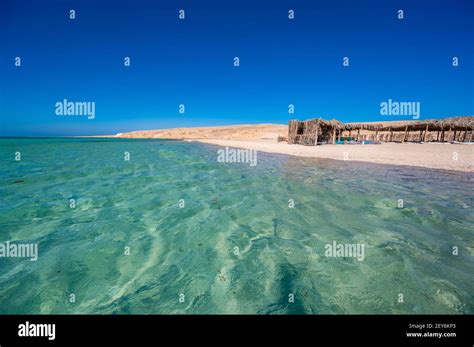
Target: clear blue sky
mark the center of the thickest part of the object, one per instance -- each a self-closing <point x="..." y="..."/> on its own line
<point x="191" y="62"/>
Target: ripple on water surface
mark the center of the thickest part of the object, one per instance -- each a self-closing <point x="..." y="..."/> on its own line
<point x="236" y="246"/>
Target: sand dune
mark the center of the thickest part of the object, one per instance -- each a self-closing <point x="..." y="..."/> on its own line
<point x="230" y="132"/>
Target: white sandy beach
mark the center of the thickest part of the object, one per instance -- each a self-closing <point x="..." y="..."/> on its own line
<point x="436" y="156"/>
<point x="263" y="137"/>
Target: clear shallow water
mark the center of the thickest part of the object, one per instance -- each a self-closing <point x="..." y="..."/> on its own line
<point x="191" y="250"/>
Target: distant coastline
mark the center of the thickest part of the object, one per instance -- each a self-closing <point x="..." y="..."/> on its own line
<point x="264" y="137"/>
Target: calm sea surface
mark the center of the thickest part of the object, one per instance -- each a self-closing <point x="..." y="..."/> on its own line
<point x="236" y="246"/>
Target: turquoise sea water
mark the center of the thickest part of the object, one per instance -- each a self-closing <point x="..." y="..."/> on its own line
<point x="191" y="250"/>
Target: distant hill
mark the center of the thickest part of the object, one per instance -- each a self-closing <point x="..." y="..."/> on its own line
<point x="230" y="132"/>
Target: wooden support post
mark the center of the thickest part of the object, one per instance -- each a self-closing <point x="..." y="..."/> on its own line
<point x="391" y="134"/>
<point x="334" y="135"/>
<point x="358" y="132"/>
<point x="442" y="135"/>
<point x="437" y="137"/>
<point x="406" y="134"/>
<point x="426" y="132"/>
<point x="291" y="132"/>
<point x="316" y="139"/>
<point x="376" y="133"/>
<point x="465" y="135"/>
<point x="449" y="136"/>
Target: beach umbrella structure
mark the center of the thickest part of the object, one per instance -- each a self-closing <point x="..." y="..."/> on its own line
<point x="316" y="131"/>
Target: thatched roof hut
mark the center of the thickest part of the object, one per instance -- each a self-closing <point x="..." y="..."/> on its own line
<point x="313" y="131"/>
<point x="317" y="130"/>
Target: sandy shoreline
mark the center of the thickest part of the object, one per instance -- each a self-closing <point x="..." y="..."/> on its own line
<point x="263" y="137"/>
<point x="435" y="156"/>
